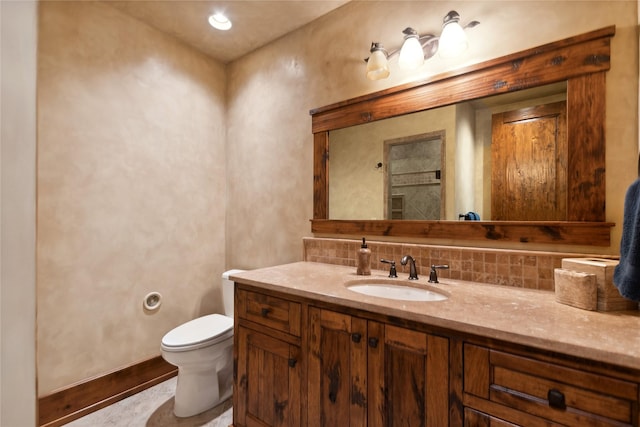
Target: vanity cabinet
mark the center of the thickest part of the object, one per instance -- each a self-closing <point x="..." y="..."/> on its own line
<point x="367" y="373"/>
<point x="503" y="388"/>
<point x="306" y="359"/>
<point x="268" y="366"/>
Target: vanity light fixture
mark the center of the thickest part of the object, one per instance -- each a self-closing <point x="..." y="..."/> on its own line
<point x="219" y="22"/>
<point x="417" y="48"/>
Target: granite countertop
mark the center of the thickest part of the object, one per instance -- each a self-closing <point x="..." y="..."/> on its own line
<point x="521" y="316"/>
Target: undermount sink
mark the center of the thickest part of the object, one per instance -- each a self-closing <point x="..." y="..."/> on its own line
<point x="397" y="291"/>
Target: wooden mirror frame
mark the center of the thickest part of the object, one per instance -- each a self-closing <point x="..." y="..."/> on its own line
<point x="581" y="60"/>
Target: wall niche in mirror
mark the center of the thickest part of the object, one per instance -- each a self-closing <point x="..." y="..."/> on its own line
<point x="523" y="144"/>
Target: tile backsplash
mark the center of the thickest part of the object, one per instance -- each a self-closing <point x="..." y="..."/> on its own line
<point x="524" y="269"/>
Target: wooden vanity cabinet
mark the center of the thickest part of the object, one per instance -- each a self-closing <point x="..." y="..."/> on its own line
<point x="268" y="365"/>
<point x="300" y="362"/>
<point x="526" y="389"/>
<point x="367" y="373"/>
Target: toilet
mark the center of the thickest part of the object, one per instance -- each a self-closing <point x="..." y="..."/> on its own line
<point x="202" y="349"/>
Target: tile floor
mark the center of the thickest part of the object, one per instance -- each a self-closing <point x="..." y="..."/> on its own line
<point x="154" y="408"/>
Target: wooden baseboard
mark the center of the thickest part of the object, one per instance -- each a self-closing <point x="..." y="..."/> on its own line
<point x="78" y="400"/>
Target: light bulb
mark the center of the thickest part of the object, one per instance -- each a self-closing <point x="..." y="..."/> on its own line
<point x="411" y="54"/>
<point x="453" y="40"/>
<point x="219" y="21"/>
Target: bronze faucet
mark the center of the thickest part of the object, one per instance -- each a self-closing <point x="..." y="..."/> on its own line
<point x="413" y="274"/>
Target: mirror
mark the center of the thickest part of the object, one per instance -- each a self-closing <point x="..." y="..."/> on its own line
<point x="581" y="62"/>
<point x="459" y="153"/>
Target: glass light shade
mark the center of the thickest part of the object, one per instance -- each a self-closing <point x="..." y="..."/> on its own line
<point x="411" y="54"/>
<point x="377" y="65"/>
<point x="453" y="40"/>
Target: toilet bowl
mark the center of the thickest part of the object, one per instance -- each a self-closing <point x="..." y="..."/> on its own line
<point x="202" y="349"/>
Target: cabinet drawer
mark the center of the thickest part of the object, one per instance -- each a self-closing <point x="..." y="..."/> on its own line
<point x="562" y="394"/>
<point x="478" y="419"/>
<point x="274" y="312"/>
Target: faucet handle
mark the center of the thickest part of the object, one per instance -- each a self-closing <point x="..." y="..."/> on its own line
<point x="392" y="271"/>
<point x="433" y="275"/>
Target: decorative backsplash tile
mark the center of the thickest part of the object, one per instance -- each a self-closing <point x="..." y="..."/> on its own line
<point x="524" y="269"/>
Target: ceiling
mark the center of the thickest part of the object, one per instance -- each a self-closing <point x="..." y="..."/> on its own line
<point x="255" y="23"/>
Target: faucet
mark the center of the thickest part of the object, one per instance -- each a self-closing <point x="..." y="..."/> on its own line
<point x="392" y="271"/>
<point x="433" y="275"/>
<point x="413" y="274"/>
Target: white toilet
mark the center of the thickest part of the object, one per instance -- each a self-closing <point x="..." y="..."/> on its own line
<point x="202" y="349"/>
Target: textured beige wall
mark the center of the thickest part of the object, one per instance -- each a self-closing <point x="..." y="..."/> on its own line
<point x="272" y="90"/>
<point x="18" y="29"/>
<point x="131" y="189"/>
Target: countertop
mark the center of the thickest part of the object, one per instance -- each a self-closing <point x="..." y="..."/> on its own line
<point x="521" y="316"/>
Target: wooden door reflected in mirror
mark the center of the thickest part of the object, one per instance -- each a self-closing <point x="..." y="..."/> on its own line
<point x="529" y="164"/>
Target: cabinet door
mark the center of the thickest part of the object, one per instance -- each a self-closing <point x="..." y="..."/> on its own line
<point x="337" y="369"/>
<point x="408" y="377"/>
<point x="267" y="381"/>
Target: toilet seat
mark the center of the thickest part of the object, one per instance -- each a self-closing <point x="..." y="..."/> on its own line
<point x="198" y="333"/>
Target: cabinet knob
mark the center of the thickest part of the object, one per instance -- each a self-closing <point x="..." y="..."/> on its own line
<point x="292" y="363"/>
<point x="373" y="342"/>
<point x="356" y="337"/>
<point x="556" y="399"/>
<point x="265" y="312"/>
<point x="332" y="396"/>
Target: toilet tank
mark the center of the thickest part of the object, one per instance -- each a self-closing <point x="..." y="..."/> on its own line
<point x="227" y="291"/>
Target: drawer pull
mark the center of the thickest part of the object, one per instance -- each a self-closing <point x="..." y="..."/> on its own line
<point x="292" y="363"/>
<point x="556" y="399"/>
<point x="356" y="337"/>
<point x="332" y="396"/>
<point x="265" y="312"/>
<point x="373" y="342"/>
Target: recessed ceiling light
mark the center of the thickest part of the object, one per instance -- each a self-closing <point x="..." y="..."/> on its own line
<point x="219" y="21"/>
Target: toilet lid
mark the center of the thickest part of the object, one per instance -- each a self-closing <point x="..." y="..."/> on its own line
<point x="196" y="331"/>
